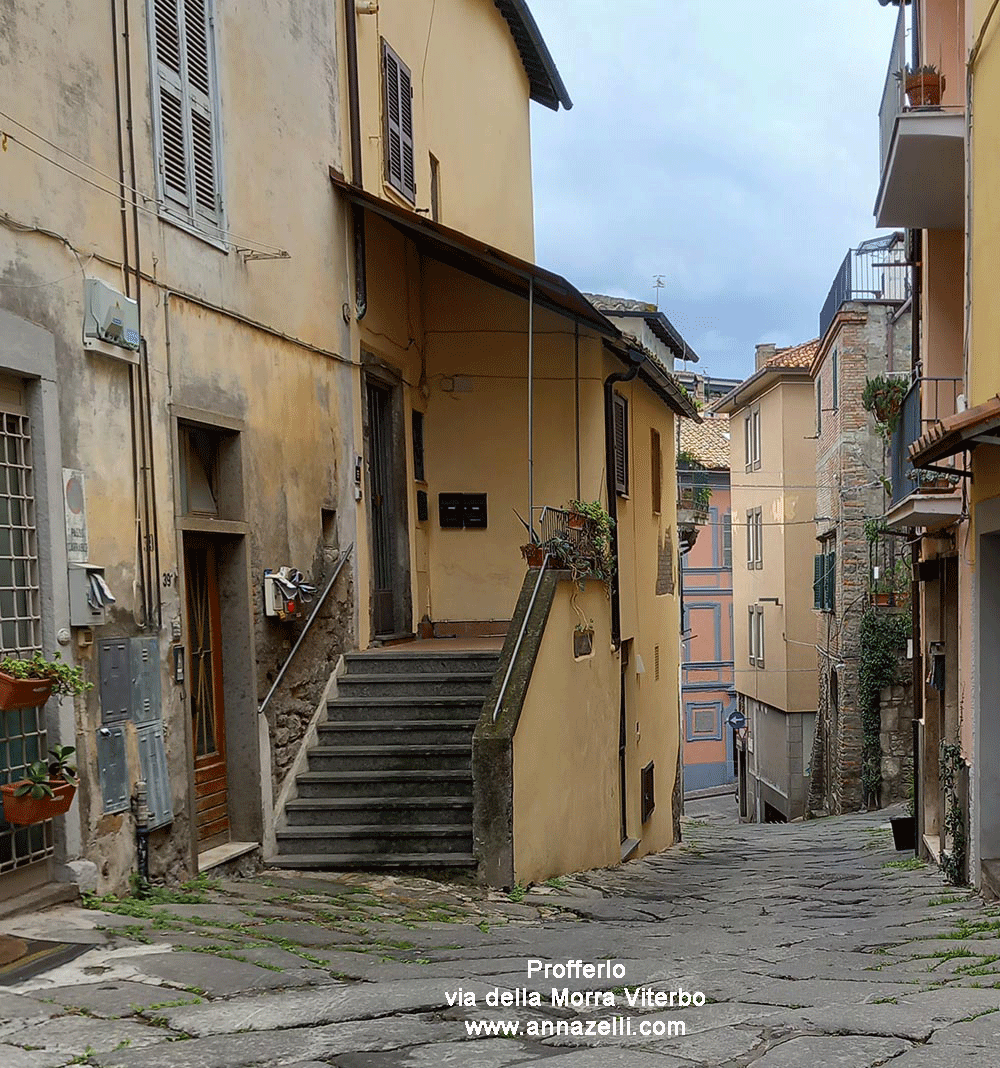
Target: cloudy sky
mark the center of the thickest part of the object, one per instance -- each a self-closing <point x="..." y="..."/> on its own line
<point x="731" y="147"/>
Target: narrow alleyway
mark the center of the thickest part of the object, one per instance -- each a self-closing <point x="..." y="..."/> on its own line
<point x="814" y="944"/>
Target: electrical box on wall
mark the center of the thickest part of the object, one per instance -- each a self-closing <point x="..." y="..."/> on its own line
<point x="89" y="596"/>
<point x="109" y="316"/>
<point x="285" y="591"/>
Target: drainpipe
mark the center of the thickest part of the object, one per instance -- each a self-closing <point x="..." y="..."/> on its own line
<point x="609" y="470"/>
<point x="531" y="406"/>
<point x="354" y="117"/>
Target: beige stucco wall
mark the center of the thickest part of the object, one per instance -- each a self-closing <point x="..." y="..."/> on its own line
<point x="470" y="110"/>
<point x="566" y="792"/>
<point x="286" y="397"/>
<point x="943" y="313"/>
<point x="782" y="488"/>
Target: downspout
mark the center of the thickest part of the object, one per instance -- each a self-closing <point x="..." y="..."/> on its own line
<point x="609" y="474"/>
<point x="531" y="406"/>
<point x="576" y="401"/>
<point x="354" y="114"/>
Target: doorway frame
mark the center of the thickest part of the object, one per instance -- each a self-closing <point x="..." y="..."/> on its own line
<point x="376" y="373"/>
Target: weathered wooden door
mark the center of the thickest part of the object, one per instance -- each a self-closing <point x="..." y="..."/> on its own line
<point x="381" y="508"/>
<point x="208" y="715"/>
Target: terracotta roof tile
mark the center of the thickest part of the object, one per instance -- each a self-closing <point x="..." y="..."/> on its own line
<point x="708" y="441"/>
<point x="795" y="355"/>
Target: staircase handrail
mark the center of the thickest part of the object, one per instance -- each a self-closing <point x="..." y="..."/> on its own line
<point x="520" y="638"/>
<point x="305" y="630"/>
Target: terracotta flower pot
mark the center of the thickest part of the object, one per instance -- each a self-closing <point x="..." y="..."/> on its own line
<point x="26" y="810"/>
<point x="24" y="693"/>
<point x="533" y="554"/>
<point x="576" y="521"/>
<point x="924" y="90"/>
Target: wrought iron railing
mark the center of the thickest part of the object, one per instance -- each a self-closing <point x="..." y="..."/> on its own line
<point x="893" y="92"/>
<point x="875" y="270"/>
<point x="928" y="400"/>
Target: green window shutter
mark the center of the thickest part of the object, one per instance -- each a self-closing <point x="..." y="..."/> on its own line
<point x="818" y="562"/>
<point x="831" y="580"/>
<point x="397" y="89"/>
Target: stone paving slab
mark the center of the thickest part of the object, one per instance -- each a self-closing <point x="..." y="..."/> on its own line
<point x="846" y="1051"/>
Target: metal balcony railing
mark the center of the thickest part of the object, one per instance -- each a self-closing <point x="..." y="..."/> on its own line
<point x="928" y="400"/>
<point x="875" y="270"/>
<point x="893" y="93"/>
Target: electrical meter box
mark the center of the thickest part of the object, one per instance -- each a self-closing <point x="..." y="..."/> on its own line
<point x="109" y="316"/>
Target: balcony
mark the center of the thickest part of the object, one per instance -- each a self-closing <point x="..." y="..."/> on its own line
<point x="875" y="270"/>
<point x="922" y="152"/>
<point x="923" y="498"/>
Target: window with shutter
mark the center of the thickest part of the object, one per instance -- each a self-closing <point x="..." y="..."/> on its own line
<point x="186" y="106"/>
<point x="621" y="444"/>
<point x="397" y="89"/>
<point x="656" y="461"/>
<point x="727" y="540"/>
<point x="819" y="565"/>
<point x="831" y="580"/>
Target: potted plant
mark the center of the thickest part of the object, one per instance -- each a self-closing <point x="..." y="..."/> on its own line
<point x="29" y="683"/>
<point x="883" y="397"/>
<point x="47" y="791"/>
<point x="534" y="554"/>
<point x="924" y="85"/>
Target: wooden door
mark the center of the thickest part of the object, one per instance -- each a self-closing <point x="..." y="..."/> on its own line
<point x="208" y="714"/>
<point x="382" y="509"/>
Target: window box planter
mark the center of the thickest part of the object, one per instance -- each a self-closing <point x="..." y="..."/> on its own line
<point x="25" y="810"/>
<point x="24" y="693"/>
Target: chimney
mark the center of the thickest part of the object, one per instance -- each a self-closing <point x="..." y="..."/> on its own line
<point x="764" y="353"/>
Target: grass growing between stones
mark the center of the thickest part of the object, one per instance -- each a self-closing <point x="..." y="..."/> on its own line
<point x="911" y="864"/>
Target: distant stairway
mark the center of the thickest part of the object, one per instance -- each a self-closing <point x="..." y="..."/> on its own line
<point x="389" y="783"/>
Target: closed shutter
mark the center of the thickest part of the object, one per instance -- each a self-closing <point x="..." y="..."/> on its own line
<point x="186" y="118"/>
<point x="172" y="129"/>
<point x="397" y="85"/>
<point x="727" y="540"/>
<point x="819" y="563"/>
<point x="621" y="444"/>
<point x="656" y="460"/>
<point x="831" y="579"/>
<point x="199" y="78"/>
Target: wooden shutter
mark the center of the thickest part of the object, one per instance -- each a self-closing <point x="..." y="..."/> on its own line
<point x="621" y="443"/>
<point x="819" y="564"/>
<point x="727" y="540"/>
<point x="656" y="468"/>
<point x="831" y="579"/>
<point x="397" y="86"/>
<point x="199" y="83"/>
<point x="172" y="129"/>
<point x="749" y="539"/>
<point x="747" y="436"/>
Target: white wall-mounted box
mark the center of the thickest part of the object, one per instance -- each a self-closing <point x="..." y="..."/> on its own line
<point x="89" y="596"/>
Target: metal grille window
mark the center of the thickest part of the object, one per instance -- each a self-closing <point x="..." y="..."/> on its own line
<point x="621" y="444"/>
<point x="186" y="111"/>
<point x="22" y="730"/>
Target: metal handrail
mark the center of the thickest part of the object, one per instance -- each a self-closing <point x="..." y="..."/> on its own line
<point x="520" y="639"/>
<point x="305" y="630"/>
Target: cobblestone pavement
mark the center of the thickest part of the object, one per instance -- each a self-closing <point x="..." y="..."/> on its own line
<point x="814" y="944"/>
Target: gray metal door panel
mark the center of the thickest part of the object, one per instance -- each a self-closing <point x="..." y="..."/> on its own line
<point x="153" y="762"/>
<point x="146" y="685"/>
<point x="115" y="679"/>
<point x="112" y="766"/>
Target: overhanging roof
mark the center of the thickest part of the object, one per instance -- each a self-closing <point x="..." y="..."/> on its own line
<point x="963" y="430"/>
<point x="661" y="327"/>
<point x="745" y="392"/>
<point x="514" y="275"/>
<point x="546" y="85"/>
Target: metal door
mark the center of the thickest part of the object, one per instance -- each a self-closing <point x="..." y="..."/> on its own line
<point x="208" y="716"/>
<point x="381" y="508"/>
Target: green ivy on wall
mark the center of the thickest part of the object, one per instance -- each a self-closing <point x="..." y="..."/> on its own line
<point x="881" y="637"/>
<point x="953" y="861"/>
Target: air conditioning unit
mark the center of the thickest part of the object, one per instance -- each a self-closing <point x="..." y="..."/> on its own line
<point x="109" y="316"/>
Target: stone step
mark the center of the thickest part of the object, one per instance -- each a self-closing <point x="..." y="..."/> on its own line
<point x="374" y="861"/>
<point x="350" y="811"/>
<point x="314" y="784"/>
<point x="397" y="708"/>
<point x="376" y="839"/>
<point x="408" y="663"/>
<point x="389" y="757"/>
<point x="396" y="732"/>
<point x="415" y="684"/>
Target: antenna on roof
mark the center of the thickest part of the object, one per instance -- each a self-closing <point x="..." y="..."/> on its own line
<point x="658" y="284"/>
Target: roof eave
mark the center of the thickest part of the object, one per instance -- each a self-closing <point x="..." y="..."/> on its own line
<point x="745" y="392"/>
<point x="547" y="87"/>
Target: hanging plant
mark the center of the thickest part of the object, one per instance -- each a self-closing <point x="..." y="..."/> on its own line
<point x="880" y="637"/>
<point x="953" y="860"/>
<point x="883" y="397"/>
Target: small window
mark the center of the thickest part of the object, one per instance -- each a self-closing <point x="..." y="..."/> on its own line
<point x="435" y="189"/>
<point x="397" y="89"/>
<point x="751" y="635"/>
<point x="755" y="634"/>
<point x="186" y="111"/>
<point x="751" y="438"/>
<point x="760" y="635"/>
<point x="758" y="522"/>
<point x="656" y="467"/>
<point x="418" y="446"/>
<point x="727" y="541"/>
<point x="199" y="471"/>
<point x="825" y="578"/>
<point x="621" y="444"/>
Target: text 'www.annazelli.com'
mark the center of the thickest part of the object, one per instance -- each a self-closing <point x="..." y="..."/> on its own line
<point x="610" y="1027"/>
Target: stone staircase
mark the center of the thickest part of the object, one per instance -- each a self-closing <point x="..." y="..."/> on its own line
<point x="389" y="780"/>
